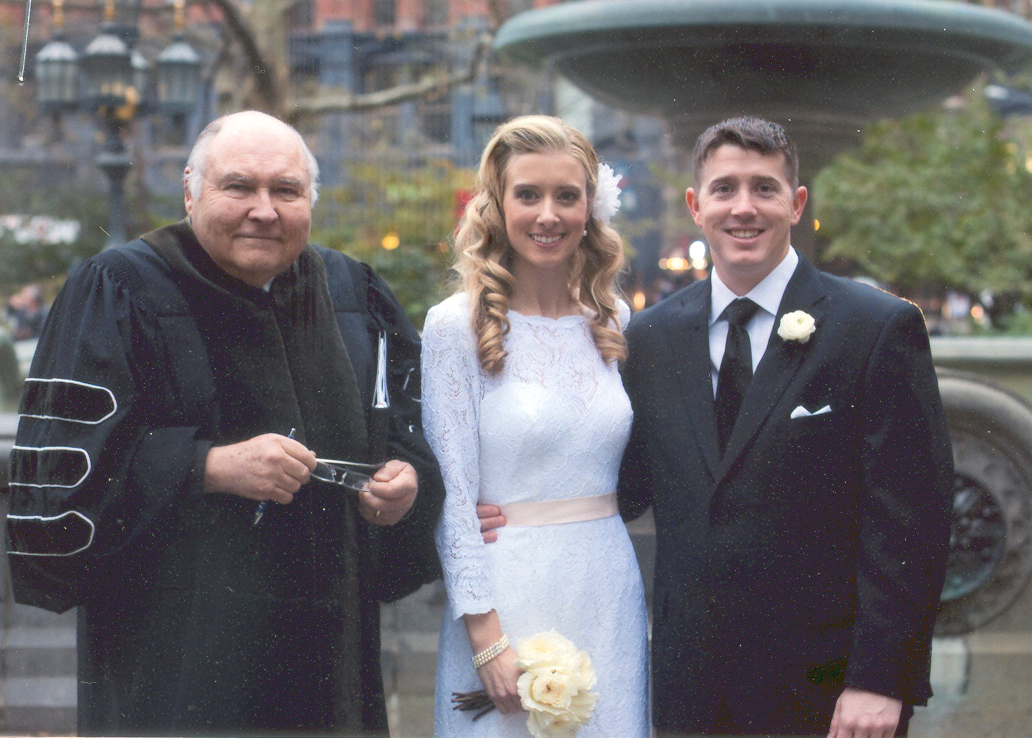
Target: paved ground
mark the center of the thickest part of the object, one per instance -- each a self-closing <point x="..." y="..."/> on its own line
<point x="983" y="690"/>
<point x="983" y="685"/>
<point x="982" y="681"/>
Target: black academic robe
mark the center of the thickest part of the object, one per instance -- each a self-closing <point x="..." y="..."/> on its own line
<point x="193" y="620"/>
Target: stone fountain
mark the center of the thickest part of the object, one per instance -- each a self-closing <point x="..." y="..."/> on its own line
<point x="822" y="68"/>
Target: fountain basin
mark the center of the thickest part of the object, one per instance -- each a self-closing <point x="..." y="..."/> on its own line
<point x="822" y="67"/>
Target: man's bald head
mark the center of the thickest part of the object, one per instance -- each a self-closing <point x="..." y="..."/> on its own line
<point x="197" y="162"/>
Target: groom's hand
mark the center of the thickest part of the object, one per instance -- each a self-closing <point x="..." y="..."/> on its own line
<point x="490" y="518"/>
<point x="860" y="714"/>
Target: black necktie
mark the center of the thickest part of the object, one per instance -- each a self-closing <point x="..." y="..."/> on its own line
<point x="735" y="368"/>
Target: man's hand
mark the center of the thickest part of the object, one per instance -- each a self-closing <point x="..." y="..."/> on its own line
<point x="391" y="493"/>
<point x="860" y="714"/>
<point x="490" y="518"/>
<point x="266" y="467"/>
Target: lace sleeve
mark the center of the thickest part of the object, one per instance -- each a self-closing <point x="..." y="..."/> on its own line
<point x="451" y="406"/>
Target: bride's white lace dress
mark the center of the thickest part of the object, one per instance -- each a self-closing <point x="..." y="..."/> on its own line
<point x="552" y="425"/>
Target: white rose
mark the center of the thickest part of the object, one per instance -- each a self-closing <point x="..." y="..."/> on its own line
<point x="584" y="672"/>
<point x="545" y="648"/>
<point x="582" y="705"/>
<point x="547" y="725"/>
<point x="796" y="326"/>
<point x="547" y="689"/>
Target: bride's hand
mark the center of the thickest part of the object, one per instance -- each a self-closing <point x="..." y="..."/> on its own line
<point x="499" y="677"/>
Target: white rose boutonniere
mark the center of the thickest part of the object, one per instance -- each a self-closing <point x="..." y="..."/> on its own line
<point x="797" y="326"/>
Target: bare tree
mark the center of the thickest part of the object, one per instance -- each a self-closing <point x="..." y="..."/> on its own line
<point x="259" y="53"/>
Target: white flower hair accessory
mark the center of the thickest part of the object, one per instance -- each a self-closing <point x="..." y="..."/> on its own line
<point x="797" y="326"/>
<point x="607" y="194"/>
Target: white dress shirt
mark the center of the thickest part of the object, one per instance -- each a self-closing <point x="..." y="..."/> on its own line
<point x="767" y="294"/>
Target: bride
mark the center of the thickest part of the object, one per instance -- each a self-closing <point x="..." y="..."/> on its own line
<point x="523" y="405"/>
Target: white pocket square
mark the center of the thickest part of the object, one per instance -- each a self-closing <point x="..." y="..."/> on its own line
<point x="802" y="412"/>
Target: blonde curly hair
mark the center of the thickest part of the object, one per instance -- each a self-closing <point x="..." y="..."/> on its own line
<point x="485" y="256"/>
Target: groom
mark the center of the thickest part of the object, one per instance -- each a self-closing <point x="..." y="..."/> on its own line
<point x="801" y="539"/>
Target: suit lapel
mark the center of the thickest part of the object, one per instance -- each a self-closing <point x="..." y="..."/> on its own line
<point x="688" y="338"/>
<point x="779" y="365"/>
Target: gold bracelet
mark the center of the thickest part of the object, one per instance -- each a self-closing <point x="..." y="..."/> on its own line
<point x="491" y="652"/>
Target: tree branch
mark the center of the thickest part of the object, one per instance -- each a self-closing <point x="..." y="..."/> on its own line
<point x="494" y="7"/>
<point x="263" y="72"/>
<point x="268" y="70"/>
<point x="436" y="84"/>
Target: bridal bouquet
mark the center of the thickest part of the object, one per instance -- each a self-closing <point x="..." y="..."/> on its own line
<point x="554" y="688"/>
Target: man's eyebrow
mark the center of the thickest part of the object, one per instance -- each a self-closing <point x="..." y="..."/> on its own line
<point x="235" y="177"/>
<point x="732" y="178"/>
<point x="762" y="179"/>
<point x="290" y="182"/>
<point x="728" y="179"/>
<point x="252" y="180"/>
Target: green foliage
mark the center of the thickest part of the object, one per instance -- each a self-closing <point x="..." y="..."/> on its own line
<point x="10" y="375"/>
<point x="939" y="199"/>
<point x="677" y="218"/>
<point x="416" y="204"/>
<point x="1018" y="323"/>
<point x="36" y="261"/>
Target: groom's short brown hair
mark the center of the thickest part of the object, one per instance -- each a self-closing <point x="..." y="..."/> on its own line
<point x="748" y="133"/>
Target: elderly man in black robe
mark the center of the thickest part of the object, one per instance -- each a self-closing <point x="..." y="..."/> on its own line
<point x="181" y="381"/>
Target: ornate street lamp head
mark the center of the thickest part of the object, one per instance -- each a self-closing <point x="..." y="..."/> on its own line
<point x="107" y="72"/>
<point x="57" y="77"/>
<point x="179" y="78"/>
<point x="57" y="70"/>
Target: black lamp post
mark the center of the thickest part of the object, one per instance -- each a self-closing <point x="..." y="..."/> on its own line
<point x="113" y="79"/>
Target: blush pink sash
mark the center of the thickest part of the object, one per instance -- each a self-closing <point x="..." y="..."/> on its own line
<point x="553" y="512"/>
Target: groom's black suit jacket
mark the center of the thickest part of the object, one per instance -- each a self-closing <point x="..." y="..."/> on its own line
<point x="812" y="555"/>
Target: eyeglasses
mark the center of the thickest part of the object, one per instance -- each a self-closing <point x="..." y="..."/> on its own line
<point x="348" y="474"/>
